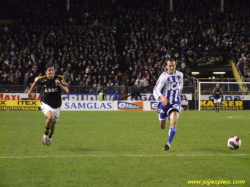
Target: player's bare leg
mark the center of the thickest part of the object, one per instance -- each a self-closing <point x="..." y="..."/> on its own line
<point x="163" y="123"/>
<point x="174" y="116"/>
<point x="217" y="107"/>
<point x="48" y="127"/>
<point x="51" y="132"/>
<point x="52" y="127"/>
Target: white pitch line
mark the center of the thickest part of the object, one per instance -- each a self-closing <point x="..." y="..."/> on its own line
<point x="72" y="156"/>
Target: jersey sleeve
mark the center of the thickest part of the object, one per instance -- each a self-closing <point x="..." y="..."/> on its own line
<point x="158" y="87"/>
<point x="181" y="81"/>
<point x="63" y="81"/>
<point x="37" y="81"/>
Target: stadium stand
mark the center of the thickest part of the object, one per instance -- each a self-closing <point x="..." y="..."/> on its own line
<point x="96" y="43"/>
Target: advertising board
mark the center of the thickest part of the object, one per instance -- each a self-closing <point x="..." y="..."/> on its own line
<point x="226" y="105"/>
<point x="130" y="106"/>
<point x="227" y="97"/>
<point x="150" y="97"/>
<point x="19" y="105"/>
<point x="87" y="105"/>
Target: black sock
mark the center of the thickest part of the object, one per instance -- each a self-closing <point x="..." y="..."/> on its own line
<point x="50" y="134"/>
<point x="46" y="130"/>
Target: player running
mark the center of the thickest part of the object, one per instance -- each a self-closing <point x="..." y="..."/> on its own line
<point x="168" y="91"/>
<point x="217" y="97"/>
<point x="52" y="87"/>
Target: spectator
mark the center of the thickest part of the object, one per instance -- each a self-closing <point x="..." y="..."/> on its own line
<point x="248" y="77"/>
<point x="246" y="70"/>
<point x="145" y="45"/>
<point x="135" y="92"/>
<point x="101" y="95"/>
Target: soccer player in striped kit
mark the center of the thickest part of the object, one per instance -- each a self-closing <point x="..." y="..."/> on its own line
<point x="168" y="91"/>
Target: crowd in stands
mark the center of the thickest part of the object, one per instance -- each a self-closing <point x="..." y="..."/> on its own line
<point x="243" y="65"/>
<point x="96" y="43"/>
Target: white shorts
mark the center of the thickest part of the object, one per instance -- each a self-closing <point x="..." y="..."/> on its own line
<point x="217" y="100"/>
<point x="56" y="111"/>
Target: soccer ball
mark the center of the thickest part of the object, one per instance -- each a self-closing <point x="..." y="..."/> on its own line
<point x="234" y="142"/>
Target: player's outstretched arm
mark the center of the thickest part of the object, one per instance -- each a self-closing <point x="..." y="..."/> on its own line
<point x="182" y="96"/>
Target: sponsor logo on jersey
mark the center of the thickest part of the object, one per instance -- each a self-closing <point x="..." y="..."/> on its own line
<point x="49" y="90"/>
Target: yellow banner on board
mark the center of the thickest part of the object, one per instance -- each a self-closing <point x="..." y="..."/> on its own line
<point x="19" y="103"/>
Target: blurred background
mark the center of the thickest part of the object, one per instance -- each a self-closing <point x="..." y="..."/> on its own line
<point x="121" y="44"/>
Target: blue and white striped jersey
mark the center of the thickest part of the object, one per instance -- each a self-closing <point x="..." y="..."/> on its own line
<point x="169" y="86"/>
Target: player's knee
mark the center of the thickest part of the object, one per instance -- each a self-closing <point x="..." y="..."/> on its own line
<point x="173" y="122"/>
<point x="54" y="119"/>
<point x="50" y="116"/>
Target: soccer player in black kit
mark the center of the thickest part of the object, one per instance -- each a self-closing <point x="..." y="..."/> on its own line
<point x="217" y="97"/>
<point x="52" y="87"/>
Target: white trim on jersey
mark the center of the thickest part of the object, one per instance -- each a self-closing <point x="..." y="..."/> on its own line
<point x="169" y="86"/>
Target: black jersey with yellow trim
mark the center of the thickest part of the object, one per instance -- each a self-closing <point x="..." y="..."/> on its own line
<point x="50" y="93"/>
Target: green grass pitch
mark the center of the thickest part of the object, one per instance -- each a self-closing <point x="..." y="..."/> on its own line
<point x="101" y="148"/>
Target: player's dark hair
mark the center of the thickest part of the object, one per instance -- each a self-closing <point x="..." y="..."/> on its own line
<point x="48" y="66"/>
<point x="170" y="59"/>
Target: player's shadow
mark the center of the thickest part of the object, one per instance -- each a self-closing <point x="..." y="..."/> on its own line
<point x="82" y="149"/>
